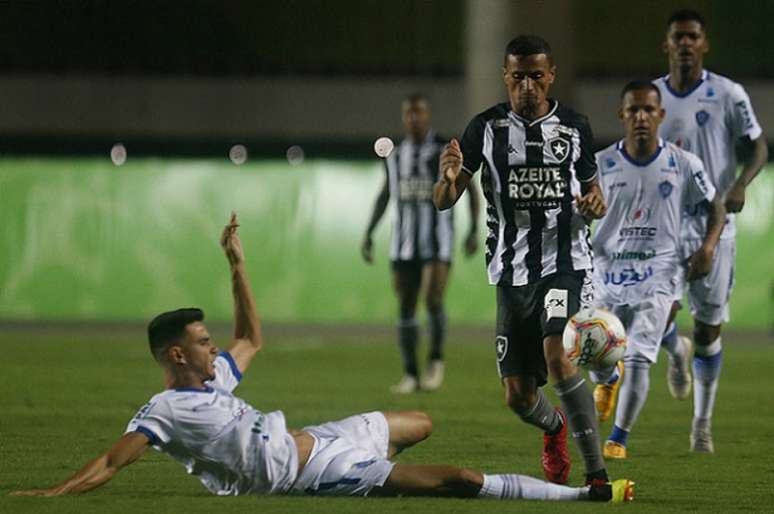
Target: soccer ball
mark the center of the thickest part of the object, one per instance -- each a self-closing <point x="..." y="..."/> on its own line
<point x="594" y="339"/>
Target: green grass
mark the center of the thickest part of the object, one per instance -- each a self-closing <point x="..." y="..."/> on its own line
<point x="67" y="397"/>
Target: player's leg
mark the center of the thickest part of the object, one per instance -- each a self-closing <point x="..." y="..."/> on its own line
<point x="450" y="481"/>
<point x="407" y="279"/>
<point x="406" y="428"/>
<point x="708" y="299"/>
<point x="608" y="381"/>
<point x="560" y="298"/>
<point x="434" y="279"/>
<point x="522" y="369"/>
<point x="644" y="322"/>
<point x="678" y="348"/>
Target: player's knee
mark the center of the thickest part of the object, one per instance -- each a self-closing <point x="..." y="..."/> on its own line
<point x="519" y="399"/>
<point x="704" y="334"/>
<point x="423" y="425"/>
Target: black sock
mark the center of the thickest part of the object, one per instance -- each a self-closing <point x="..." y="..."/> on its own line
<point x="437" y="328"/>
<point x="408" y="334"/>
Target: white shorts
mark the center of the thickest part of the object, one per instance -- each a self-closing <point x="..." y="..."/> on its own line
<point x="708" y="297"/>
<point x="644" y="322"/>
<point x="349" y="457"/>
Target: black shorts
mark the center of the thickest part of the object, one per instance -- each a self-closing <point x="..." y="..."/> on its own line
<point x="414" y="266"/>
<point x="527" y="314"/>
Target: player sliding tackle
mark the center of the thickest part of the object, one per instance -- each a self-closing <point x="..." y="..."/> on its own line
<point x="235" y="449"/>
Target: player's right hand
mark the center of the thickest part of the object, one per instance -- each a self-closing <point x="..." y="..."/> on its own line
<point x="451" y="161"/>
<point x="366" y="250"/>
<point x="229" y="241"/>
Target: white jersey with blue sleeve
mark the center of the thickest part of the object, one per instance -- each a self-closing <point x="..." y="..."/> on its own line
<point x="231" y="447"/>
<point x="708" y="120"/>
<point x="636" y="245"/>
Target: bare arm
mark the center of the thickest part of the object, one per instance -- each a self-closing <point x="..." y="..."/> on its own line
<point x="453" y="180"/>
<point x="700" y="263"/>
<point x="471" y="241"/>
<point x="247" y="327"/>
<point x="757" y="157"/>
<point x="100" y="470"/>
<point x="366" y="249"/>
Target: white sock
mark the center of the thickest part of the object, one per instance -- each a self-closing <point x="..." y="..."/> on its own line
<point x="634" y="391"/>
<point x="514" y="487"/>
<point x="707" y="362"/>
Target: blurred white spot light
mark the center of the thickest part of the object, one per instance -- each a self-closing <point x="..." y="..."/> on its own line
<point x="238" y="154"/>
<point x="118" y="154"/>
<point x="295" y="155"/>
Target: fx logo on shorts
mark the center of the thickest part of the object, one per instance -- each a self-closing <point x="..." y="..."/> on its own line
<point x="555" y="303"/>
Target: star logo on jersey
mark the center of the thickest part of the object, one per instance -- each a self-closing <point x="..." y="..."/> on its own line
<point x="672" y="163"/>
<point x="702" y="117"/>
<point x="710" y="92"/>
<point x="609" y="163"/>
<point x="501" y="347"/>
<point x="640" y="215"/>
<point x="560" y="148"/>
<point x="665" y="188"/>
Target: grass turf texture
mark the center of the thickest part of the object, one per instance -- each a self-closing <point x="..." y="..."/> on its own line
<point x="67" y="397"/>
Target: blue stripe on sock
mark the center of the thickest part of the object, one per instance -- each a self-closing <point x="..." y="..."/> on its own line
<point x="707" y="367"/>
<point x="670" y="337"/>
<point x="619" y="435"/>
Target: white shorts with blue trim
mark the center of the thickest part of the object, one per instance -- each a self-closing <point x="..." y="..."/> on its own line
<point x="349" y="457"/>
<point x="644" y="322"/>
<point x="708" y="297"/>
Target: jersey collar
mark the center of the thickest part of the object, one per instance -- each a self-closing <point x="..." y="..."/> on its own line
<point x="205" y="389"/>
<point x="694" y="87"/>
<point x="622" y="150"/>
<point x="530" y="123"/>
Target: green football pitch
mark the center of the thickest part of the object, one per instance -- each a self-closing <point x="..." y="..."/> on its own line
<point x="69" y="394"/>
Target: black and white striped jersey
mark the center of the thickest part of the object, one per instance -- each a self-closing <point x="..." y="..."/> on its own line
<point x="420" y="231"/>
<point x="531" y="172"/>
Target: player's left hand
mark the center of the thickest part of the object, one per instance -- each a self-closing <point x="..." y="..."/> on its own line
<point x="591" y="205"/>
<point x="735" y="198"/>
<point x="471" y="244"/>
<point x="229" y="241"/>
<point x="699" y="264"/>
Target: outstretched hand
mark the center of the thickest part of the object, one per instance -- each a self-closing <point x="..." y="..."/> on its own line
<point x="229" y="241"/>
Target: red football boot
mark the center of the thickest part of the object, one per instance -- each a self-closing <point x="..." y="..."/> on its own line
<point x="556" y="458"/>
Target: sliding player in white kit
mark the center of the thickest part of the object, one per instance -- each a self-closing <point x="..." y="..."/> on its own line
<point x="706" y="114"/>
<point x="235" y="449"/>
<point x="647" y="183"/>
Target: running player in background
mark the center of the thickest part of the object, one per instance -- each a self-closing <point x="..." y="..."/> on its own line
<point x="536" y="159"/>
<point x="706" y="114"/>
<point x="235" y="449"/>
<point x="422" y="242"/>
<point x="647" y="183"/>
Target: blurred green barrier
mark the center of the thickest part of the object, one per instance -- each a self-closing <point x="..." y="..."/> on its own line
<point x="85" y="240"/>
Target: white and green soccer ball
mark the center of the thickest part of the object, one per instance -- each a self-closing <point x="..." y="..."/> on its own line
<point x="594" y="339"/>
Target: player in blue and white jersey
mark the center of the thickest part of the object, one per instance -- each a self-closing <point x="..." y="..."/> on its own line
<point x="422" y="242"/>
<point x="236" y="449"/>
<point x="709" y="115"/>
<point x="647" y="183"/>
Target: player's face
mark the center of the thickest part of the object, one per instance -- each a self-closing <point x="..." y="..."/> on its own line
<point x="416" y="118"/>
<point x="528" y="78"/>
<point x="199" y="350"/>
<point x="686" y="44"/>
<point x="641" y="114"/>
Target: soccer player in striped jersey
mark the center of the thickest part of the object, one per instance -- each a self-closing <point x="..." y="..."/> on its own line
<point x="647" y="183"/>
<point x="422" y="242"/>
<point x="539" y="180"/>
<point x="235" y="449"/>
<point x="709" y="115"/>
